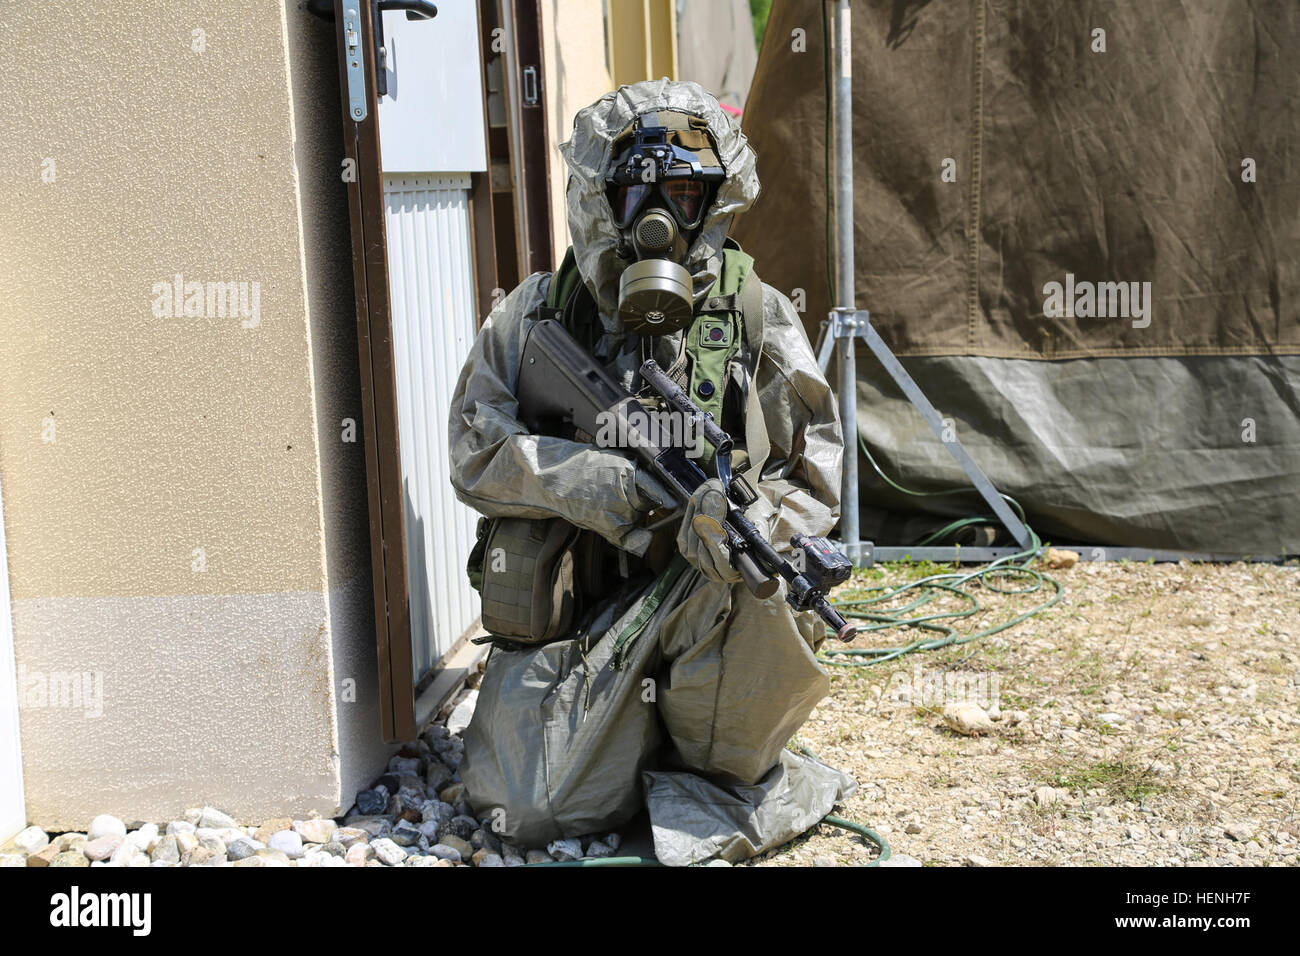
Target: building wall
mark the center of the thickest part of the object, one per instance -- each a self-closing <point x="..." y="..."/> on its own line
<point x="186" y="524"/>
<point x="576" y="75"/>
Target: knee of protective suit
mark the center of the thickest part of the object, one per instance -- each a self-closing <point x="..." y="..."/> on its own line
<point x="739" y="677"/>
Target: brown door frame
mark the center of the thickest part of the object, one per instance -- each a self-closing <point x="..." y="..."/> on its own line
<point x="378" y="390"/>
<point x="535" y="177"/>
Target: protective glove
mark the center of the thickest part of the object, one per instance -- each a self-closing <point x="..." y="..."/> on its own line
<point x="701" y="538"/>
<point x="649" y="493"/>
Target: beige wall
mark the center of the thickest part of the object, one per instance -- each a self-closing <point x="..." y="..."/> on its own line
<point x="573" y="38"/>
<point x="172" y="434"/>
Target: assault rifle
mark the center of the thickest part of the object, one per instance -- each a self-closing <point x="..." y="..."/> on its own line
<point x="560" y="382"/>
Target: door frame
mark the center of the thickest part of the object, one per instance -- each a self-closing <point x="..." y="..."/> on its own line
<point x="378" y="384"/>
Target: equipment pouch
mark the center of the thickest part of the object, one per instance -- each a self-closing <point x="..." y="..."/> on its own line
<point x="525" y="567"/>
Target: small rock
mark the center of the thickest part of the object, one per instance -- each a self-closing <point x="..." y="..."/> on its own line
<point x="359" y="853"/>
<point x="263" y="833"/>
<point x="456" y="843"/>
<point x="976" y="860"/>
<point x="375" y="827"/>
<point x="565" y="850"/>
<point x="201" y="856"/>
<point x="485" y="840"/>
<point x="421" y="860"/>
<point x="105" y="825"/>
<point x="186" y="842"/>
<point x="316" y="831"/>
<point x="537" y="856"/>
<point x="824" y="861"/>
<point x="70" y="841"/>
<point x="511" y="855"/>
<point x="45" y="855"/>
<point x="193" y="815"/>
<point x="1241" y="832"/>
<point x="13" y="859"/>
<point x="488" y="858"/>
<point x="388" y="852"/>
<point x="598" y="850"/>
<point x="70" y="858"/>
<point x="166" y="850"/>
<point x="612" y="840"/>
<point x="462" y="826"/>
<point x="145" y="837"/>
<point x="371" y="802"/>
<point x="452" y="794"/>
<point x="350" y="835"/>
<point x="124" y="854"/>
<point x="912" y="828"/>
<point x="181" y="826"/>
<point x="1059" y="559"/>
<point x="900" y="859"/>
<point x="1046" y="796"/>
<point x="31" y="840"/>
<point x="967" y="718"/>
<point x="214" y="819"/>
<point x="406" y="833"/>
<point x="437" y="777"/>
<point x="444" y="852"/>
<point x="287" y="842"/>
<point x="401" y="765"/>
<point x="241" y="849"/>
<point x="272" y="857"/>
<point x="103" y="847"/>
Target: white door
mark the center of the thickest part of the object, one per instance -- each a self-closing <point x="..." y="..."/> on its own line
<point x="431" y="139"/>
<point x="13" y="813"/>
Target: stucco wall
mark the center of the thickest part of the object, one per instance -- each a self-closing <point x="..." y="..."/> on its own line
<point x="185" y="523"/>
<point x="573" y="48"/>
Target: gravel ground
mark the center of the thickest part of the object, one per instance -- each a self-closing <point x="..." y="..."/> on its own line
<point x="1152" y="718"/>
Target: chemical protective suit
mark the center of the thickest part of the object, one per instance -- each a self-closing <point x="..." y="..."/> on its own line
<point x="690" y="717"/>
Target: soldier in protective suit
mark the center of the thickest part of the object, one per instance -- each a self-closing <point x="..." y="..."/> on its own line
<point x="633" y="671"/>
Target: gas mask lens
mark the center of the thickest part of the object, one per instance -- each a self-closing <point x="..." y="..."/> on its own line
<point x="684" y="198"/>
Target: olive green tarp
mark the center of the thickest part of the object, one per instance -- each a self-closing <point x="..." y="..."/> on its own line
<point x="1004" y="145"/>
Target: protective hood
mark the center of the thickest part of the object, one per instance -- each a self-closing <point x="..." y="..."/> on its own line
<point x="589" y="153"/>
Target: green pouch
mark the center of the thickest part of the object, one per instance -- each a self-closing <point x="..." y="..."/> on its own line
<point x="524" y="570"/>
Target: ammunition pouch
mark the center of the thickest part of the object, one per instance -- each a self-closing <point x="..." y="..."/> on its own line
<point x="524" y="570"/>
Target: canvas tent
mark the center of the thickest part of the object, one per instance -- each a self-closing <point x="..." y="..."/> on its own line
<point x="1004" y="145"/>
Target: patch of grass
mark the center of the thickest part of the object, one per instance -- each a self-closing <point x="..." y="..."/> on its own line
<point x="1120" y="778"/>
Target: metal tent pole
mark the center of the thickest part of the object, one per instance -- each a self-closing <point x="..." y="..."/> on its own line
<point x="845" y="274"/>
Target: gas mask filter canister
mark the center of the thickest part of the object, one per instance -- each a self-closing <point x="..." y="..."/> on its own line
<point x="655" y="292"/>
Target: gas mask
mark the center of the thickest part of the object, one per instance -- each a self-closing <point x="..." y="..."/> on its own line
<point x="660" y="190"/>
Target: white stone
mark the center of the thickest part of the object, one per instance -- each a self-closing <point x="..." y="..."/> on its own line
<point x="145" y="837"/>
<point x="287" y="842"/>
<point x="105" y="825"/>
<point x="315" y="831"/>
<point x="31" y="840"/>
<point x="967" y="718"/>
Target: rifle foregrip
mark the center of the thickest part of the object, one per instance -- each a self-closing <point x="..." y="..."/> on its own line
<point x="760" y="584"/>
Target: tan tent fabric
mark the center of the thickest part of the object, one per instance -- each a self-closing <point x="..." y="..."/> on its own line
<point x="1115" y="166"/>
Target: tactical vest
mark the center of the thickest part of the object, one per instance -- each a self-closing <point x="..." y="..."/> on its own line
<point x="550" y="566"/>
